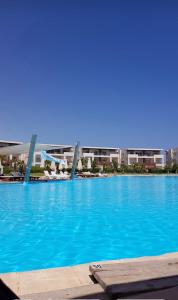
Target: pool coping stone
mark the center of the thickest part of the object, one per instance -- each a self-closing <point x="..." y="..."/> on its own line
<point x="38" y="281"/>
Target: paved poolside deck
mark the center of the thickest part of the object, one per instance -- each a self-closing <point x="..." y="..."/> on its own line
<point x="23" y="283"/>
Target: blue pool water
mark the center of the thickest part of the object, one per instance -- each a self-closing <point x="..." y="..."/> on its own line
<point x="59" y="224"/>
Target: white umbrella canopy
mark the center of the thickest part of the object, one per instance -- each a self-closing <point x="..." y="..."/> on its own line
<point x="1" y="168"/>
<point x="61" y="166"/>
<point x="80" y="167"/>
<point x="53" y="166"/>
<point x="89" y="163"/>
<point x="66" y="164"/>
<point x="42" y="163"/>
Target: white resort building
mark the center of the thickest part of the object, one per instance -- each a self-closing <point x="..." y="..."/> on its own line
<point x="101" y="155"/>
<point x="148" y="157"/>
<point x="172" y="156"/>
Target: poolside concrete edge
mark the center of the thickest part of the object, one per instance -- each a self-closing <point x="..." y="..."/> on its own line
<point x="60" y="278"/>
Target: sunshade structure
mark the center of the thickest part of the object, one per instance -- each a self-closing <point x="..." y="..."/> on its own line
<point x="61" y="166"/>
<point x="30" y="149"/>
<point x="53" y="166"/>
<point x="24" y="149"/>
<point x="79" y="166"/>
<point x="66" y="164"/>
<point x="89" y="163"/>
<point x="1" y="168"/>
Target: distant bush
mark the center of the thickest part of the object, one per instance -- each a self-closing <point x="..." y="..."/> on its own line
<point x="7" y="170"/>
<point x="83" y="170"/>
<point x="37" y="169"/>
<point x="174" y="168"/>
<point x="108" y="169"/>
<point x="84" y="162"/>
<point x="94" y="167"/>
<point x="167" y="169"/>
<point x="115" y="165"/>
<point x="139" y="168"/>
<point x="156" y="171"/>
<point x="96" y="170"/>
<point x="124" y="169"/>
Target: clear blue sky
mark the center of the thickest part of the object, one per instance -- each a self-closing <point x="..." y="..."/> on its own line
<point x="102" y="72"/>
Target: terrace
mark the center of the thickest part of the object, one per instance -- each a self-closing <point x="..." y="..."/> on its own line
<point x="146" y="156"/>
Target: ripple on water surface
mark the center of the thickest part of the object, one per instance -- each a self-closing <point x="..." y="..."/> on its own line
<point x="65" y="223"/>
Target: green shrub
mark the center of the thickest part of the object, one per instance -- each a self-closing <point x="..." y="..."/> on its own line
<point x="7" y="170"/>
<point x="96" y="170"/>
<point x="93" y="165"/>
<point x="37" y="169"/>
<point x="156" y="171"/>
<point x="84" y="162"/>
<point x="115" y="165"/>
<point x="124" y="169"/>
<point x="108" y="170"/>
<point x="138" y="168"/>
<point x="85" y="170"/>
<point x="174" y="168"/>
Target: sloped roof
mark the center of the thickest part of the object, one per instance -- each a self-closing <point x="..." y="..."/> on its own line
<point x="24" y="148"/>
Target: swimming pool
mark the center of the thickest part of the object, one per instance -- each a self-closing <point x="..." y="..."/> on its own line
<point x="56" y="224"/>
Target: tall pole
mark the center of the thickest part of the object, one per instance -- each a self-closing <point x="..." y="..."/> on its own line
<point x="76" y="156"/>
<point x="30" y="157"/>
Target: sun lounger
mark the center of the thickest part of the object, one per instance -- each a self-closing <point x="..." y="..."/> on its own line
<point x="102" y="175"/>
<point x="59" y="176"/>
<point x="56" y="176"/>
<point x="124" y="279"/>
<point x="64" y="175"/>
<point x="88" y="174"/>
<point x="49" y="176"/>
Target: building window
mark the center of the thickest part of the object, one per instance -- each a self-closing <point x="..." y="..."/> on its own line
<point x="38" y="158"/>
<point x="158" y="161"/>
<point x="132" y="161"/>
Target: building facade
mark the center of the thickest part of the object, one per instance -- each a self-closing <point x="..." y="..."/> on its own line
<point x="150" y="158"/>
<point x="101" y="155"/>
<point x="172" y="157"/>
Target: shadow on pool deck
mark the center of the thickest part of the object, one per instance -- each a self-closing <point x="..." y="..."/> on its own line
<point x="166" y="294"/>
<point x="75" y="282"/>
<point x="86" y="292"/>
<point x="6" y="293"/>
